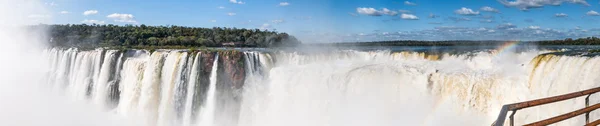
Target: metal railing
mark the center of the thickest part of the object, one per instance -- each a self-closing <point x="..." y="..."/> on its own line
<point x="522" y="105"/>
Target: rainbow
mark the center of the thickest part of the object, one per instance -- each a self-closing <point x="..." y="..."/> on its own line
<point x="507" y="47"/>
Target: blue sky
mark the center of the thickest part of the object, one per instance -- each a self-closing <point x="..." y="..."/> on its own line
<point x="352" y="20"/>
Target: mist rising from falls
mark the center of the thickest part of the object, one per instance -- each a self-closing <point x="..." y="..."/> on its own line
<point x="176" y="87"/>
<point x="26" y="83"/>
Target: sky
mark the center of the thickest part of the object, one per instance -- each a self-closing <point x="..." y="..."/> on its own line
<point x="317" y="21"/>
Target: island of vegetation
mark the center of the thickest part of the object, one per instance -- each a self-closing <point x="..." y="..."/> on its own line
<point x="142" y="36"/>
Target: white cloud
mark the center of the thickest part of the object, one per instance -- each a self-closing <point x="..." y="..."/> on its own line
<point x="375" y="12"/>
<point x="534" y="27"/>
<point x="506" y="26"/>
<point x="528" y="4"/>
<point x="592" y="13"/>
<point x="459" y="19"/>
<point x="213" y="20"/>
<point x="231" y="14"/>
<point x="284" y="4"/>
<point x="409" y="17"/>
<point x="221" y="7"/>
<point x="126" y="18"/>
<point x="489" y="9"/>
<point x="265" y="26"/>
<point x="90" y="12"/>
<point x="278" y="21"/>
<point x="560" y="15"/>
<point x="389" y="12"/>
<point x="64" y="12"/>
<point x="466" y="11"/>
<point x="368" y="11"/>
<point x="39" y="16"/>
<point x="409" y="3"/>
<point x="502" y="32"/>
<point x="353" y="14"/>
<point x="487" y="21"/>
<point x="236" y="2"/>
<point x="51" y="4"/>
<point x="404" y="11"/>
<point x="86" y="21"/>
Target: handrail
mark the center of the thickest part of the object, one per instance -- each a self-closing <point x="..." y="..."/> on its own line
<point x="564" y="116"/>
<point x="595" y="123"/>
<point x="522" y="105"/>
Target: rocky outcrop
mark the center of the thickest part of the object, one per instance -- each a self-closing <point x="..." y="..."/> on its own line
<point x="229" y="86"/>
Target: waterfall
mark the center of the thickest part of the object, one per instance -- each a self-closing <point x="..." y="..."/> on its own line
<point x="343" y="87"/>
<point x="131" y="87"/>
<point x="207" y="111"/>
<point x="150" y="91"/>
<point x="171" y="79"/>
<point x="189" y="101"/>
<point x="101" y="87"/>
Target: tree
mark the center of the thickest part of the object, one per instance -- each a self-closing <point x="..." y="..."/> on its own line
<point x="142" y="35"/>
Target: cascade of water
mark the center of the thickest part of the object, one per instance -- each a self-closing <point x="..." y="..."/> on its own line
<point x="207" y="112"/>
<point x="182" y="88"/>
<point x="171" y="78"/>
<point x="84" y="73"/>
<point x="131" y="84"/>
<point x="188" y="113"/>
<point x="257" y="68"/>
<point x="62" y="69"/>
<point x="113" y="85"/>
<point x="97" y="67"/>
<point x="150" y="92"/>
<point x="101" y="89"/>
<point x="171" y="87"/>
<point x="553" y="75"/>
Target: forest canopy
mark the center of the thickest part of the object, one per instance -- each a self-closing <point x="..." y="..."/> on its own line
<point x="567" y="41"/>
<point x="82" y="35"/>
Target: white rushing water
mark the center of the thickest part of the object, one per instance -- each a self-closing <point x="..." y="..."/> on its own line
<point x="207" y="113"/>
<point x="174" y="87"/>
<point x="189" y="105"/>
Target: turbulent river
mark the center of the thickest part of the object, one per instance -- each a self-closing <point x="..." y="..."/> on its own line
<point x="333" y="88"/>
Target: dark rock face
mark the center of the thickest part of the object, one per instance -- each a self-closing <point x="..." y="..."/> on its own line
<point x="229" y="87"/>
<point x="231" y="67"/>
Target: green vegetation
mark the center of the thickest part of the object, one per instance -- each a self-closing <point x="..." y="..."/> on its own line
<point x="568" y="41"/>
<point x="594" y="51"/>
<point x="417" y="43"/>
<point x="179" y="37"/>
<point x="150" y="37"/>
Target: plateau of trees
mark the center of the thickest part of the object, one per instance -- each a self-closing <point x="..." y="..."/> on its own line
<point x="568" y="41"/>
<point x="82" y="35"/>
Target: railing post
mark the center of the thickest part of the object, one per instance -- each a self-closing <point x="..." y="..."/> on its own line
<point x="522" y="105"/>
<point x="587" y="104"/>
<point x="512" y="119"/>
